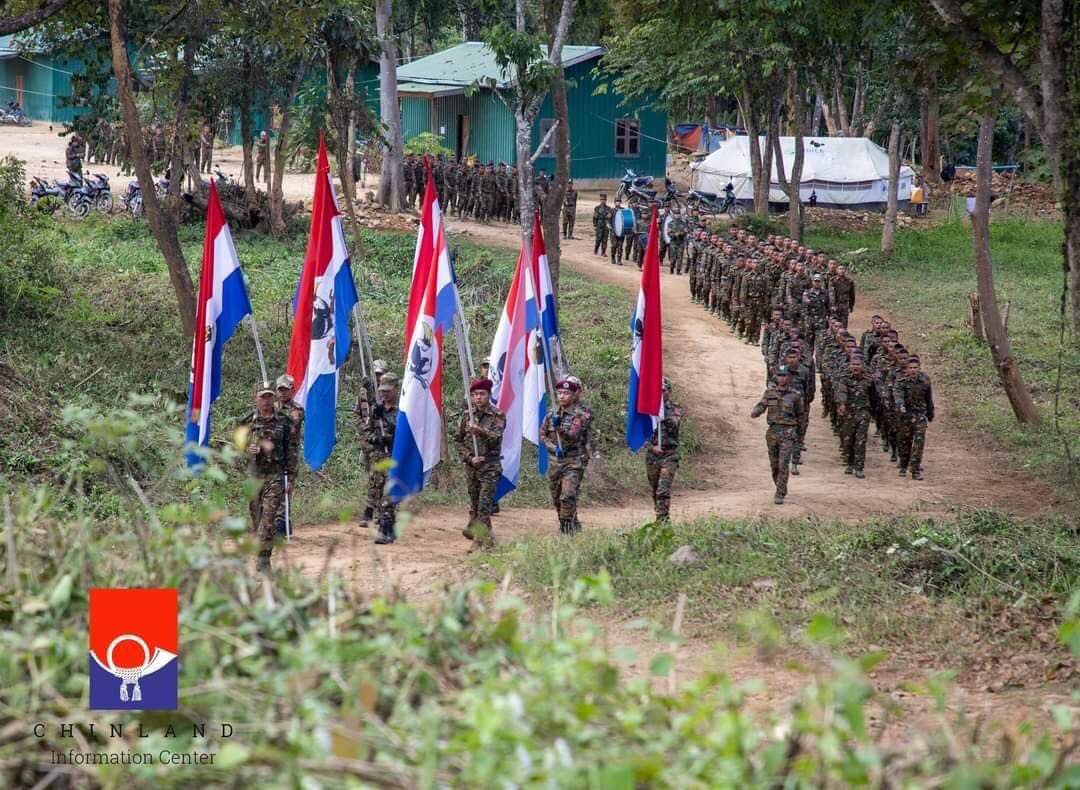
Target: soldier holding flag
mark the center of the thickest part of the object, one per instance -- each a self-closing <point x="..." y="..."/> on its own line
<point x="479" y="441"/>
<point x="565" y="433"/>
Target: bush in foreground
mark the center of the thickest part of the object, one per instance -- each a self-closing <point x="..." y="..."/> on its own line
<point x="324" y="689"/>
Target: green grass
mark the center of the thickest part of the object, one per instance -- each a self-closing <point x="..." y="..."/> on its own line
<point x="897" y="581"/>
<point x="925" y="290"/>
<point x="115" y="331"/>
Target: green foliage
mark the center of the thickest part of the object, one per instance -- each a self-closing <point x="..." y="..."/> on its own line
<point x="864" y="575"/>
<point x="92" y="348"/>
<point x="929" y="283"/>
<point x="28" y="283"/>
<point x="473" y="690"/>
<point x="427" y="143"/>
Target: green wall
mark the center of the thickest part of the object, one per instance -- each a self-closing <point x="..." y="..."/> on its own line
<point x="592" y="130"/>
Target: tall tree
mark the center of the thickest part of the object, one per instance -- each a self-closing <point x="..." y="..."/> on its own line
<point x="162" y="223"/>
<point x="1039" y="66"/>
<point x="1011" y="379"/>
<point x="392" y="178"/>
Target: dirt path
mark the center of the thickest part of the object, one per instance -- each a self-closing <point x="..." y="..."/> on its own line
<point x="719" y="378"/>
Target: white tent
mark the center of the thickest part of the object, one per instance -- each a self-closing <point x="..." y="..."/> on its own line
<point x="843" y="171"/>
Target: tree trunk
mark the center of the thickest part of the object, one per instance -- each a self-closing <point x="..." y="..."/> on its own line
<point x="557" y="192"/>
<point x="391" y="176"/>
<point x="277" y="194"/>
<point x="161" y="226"/>
<point x="888" y="231"/>
<point x="930" y="157"/>
<point x="841" y="108"/>
<point x="1011" y="379"/>
<point x="761" y="206"/>
<point x="247" y="141"/>
<point x="826" y="109"/>
<point x="795" y="215"/>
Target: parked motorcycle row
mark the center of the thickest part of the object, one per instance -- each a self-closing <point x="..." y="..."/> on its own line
<point x="82" y="194"/>
<point x="638" y="190"/>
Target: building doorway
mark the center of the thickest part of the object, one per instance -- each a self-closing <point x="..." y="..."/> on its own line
<point x="462" y="137"/>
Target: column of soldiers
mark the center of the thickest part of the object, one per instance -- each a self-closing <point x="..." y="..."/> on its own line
<point x="795" y="304"/>
<point x="484" y="193"/>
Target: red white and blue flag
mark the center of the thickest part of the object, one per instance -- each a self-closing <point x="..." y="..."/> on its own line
<point x="509" y="358"/>
<point x="418" y="435"/>
<point x="223" y="303"/>
<point x="645" y="395"/>
<point x="321" y="338"/>
<point x="544" y="344"/>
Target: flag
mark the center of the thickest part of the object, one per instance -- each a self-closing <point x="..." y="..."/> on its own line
<point x="424" y="254"/>
<point x="223" y="303"/>
<point x="321" y="338"/>
<point x="509" y="353"/>
<point x="645" y="395"/>
<point x="544" y="344"/>
<point x="418" y="435"/>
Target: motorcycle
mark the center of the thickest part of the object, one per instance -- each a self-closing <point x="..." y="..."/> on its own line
<point x="632" y="180"/>
<point x="63" y="191"/>
<point x="99" y="192"/>
<point x="14" y="113"/>
<point x="714" y="203"/>
<point x="133" y="200"/>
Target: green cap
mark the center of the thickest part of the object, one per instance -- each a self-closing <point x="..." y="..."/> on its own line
<point x="782" y="370"/>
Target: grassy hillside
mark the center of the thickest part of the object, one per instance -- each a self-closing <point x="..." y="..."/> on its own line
<point x="106" y="329"/>
<point x="925" y="291"/>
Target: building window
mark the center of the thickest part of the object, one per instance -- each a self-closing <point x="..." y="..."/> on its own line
<point x="627" y="137"/>
<point x="545" y="127"/>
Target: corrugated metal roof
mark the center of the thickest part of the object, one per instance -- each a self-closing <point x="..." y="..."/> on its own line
<point x="466" y="63"/>
<point x="7" y="47"/>
<point x="427" y="89"/>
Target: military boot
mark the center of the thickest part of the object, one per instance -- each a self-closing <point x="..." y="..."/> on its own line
<point x="859" y="474"/>
<point x="366" y="516"/>
<point x="850" y="470"/>
<point x="386" y="531"/>
<point x="262" y="562"/>
<point x="916" y="474"/>
<point x="468" y="531"/>
<point x="778" y="499"/>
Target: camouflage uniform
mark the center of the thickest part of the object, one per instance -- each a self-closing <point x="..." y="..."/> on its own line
<point x="571" y="426"/>
<point x="377" y="439"/>
<point x="784" y="407"/>
<point x="616" y="242"/>
<point x="601" y="222"/>
<point x="262" y="159"/>
<point x="271" y="455"/>
<point x="854" y="393"/>
<point x="569" y="212"/>
<point x="295" y="412"/>
<point x="661" y="468"/>
<point x="915" y="408"/>
<point x="487" y="193"/>
<point x="482" y="481"/>
<point x="802" y="379"/>
<point x="502" y="189"/>
<point x="677" y="233"/>
<point x="752" y="296"/>
<point x="842" y="297"/>
<point x="815" y="309"/>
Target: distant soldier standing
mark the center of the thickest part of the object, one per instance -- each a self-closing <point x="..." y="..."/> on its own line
<point x="271" y="455"/>
<point x="784" y="406"/>
<point x="285" y="387"/>
<point x="569" y="210"/>
<point x="841" y="294"/>
<point x="407" y="177"/>
<point x="502" y="188"/>
<point x="206" y="149"/>
<point x="616" y="242"/>
<point x="601" y="222"/>
<point x="662" y="456"/>
<point x="914" y="403"/>
<point x="815" y="310"/>
<point x="677" y="232"/>
<point x="565" y="433"/>
<point x="73" y="154"/>
<point x="262" y="163"/>
<point x="378" y="440"/>
<point x="488" y="188"/>
<point x="479" y="441"/>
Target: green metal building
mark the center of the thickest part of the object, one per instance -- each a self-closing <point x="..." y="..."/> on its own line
<point x="607" y="133"/>
<point x="37" y="81"/>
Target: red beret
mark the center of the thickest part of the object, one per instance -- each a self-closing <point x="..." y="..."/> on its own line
<point x="566" y="384"/>
<point x="480" y="384"/>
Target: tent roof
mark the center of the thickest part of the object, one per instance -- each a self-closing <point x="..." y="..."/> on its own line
<point x="836" y="159"/>
<point x="454" y="69"/>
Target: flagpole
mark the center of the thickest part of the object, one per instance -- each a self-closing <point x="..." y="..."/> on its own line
<point x="361" y="332"/>
<point x="462" y="346"/>
<point x="258" y="347"/>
